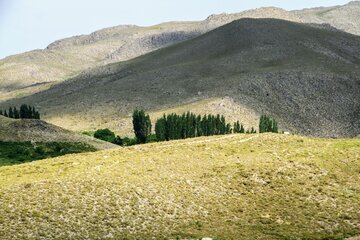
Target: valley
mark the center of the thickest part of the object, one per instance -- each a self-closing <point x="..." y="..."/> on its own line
<point x="240" y="126"/>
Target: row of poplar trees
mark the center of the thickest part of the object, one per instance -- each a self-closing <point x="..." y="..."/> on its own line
<point x="189" y="125"/>
<point x="25" y="112"/>
<point x="267" y="124"/>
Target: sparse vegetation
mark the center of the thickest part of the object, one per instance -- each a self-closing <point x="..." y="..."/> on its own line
<point x="263" y="186"/>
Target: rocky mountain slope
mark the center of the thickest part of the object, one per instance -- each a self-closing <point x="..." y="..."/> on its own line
<point x="305" y="76"/>
<point x="37" y="70"/>
<point x="345" y="18"/>
<point x="267" y="187"/>
<point x="15" y="130"/>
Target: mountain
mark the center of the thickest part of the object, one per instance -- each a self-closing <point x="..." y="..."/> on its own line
<point x="345" y="18"/>
<point x="37" y="70"/>
<point x="16" y="130"/>
<point x="306" y="76"/>
<point x="267" y="186"/>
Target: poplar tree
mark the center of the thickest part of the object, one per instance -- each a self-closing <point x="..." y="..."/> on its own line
<point x="16" y="113"/>
<point x="160" y="129"/>
<point x="142" y="125"/>
<point x="267" y="124"/>
<point x="11" y="113"/>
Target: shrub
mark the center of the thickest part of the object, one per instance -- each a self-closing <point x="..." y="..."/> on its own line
<point x="152" y="138"/>
<point x="105" y="135"/>
<point x="40" y="150"/>
<point x="129" y="141"/>
<point x="118" y="141"/>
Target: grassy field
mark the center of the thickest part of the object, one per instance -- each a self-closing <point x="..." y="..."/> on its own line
<point x="229" y="187"/>
<point x="19" y="152"/>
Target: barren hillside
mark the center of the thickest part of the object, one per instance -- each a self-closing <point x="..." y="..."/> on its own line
<point x="305" y="76"/>
<point x="345" y="18"/>
<point x="34" y="71"/>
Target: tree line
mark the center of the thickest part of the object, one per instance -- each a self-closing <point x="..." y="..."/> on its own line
<point x="186" y="125"/>
<point x="25" y="112"/>
<point x="189" y="125"/>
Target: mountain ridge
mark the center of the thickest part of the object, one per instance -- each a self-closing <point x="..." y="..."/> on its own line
<point x="296" y="72"/>
<point x="20" y="74"/>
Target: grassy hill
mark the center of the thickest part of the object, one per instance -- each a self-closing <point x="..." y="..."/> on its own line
<point x="226" y="187"/>
<point x="306" y="77"/>
<point x="23" y="130"/>
<point x="28" y="140"/>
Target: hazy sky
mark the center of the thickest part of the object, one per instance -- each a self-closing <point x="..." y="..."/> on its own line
<point x="32" y="24"/>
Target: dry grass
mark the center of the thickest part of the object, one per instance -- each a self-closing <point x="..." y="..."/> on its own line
<point x="229" y="187"/>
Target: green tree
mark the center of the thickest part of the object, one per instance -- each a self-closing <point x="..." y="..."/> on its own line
<point x="16" y="113"/>
<point x="105" y="135"/>
<point x="118" y="141"/>
<point x="37" y="115"/>
<point x="160" y="129"/>
<point x="267" y="124"/>
<point x="11" y="113"/>
<point x="236" y="127"/>
<point x="24" y="111"/>
<point x="142" y="125"/>
<point x="228" y="128"/>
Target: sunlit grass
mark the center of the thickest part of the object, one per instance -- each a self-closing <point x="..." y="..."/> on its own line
<point x="226" y="187"/>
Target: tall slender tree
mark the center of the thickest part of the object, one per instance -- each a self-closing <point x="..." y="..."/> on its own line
<point x="267" y="124"/>
<point x="142" y="125"/>
<point x="16" y="113"/>
<point x="11" y="113"/>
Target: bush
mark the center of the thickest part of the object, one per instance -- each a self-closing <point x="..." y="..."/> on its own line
<point x="118" y="141"/>
<point x="152" y="138"/>
<point x="129" y="141"/>
<point x="40" y="150"/>
<point x="105" y="135"/>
